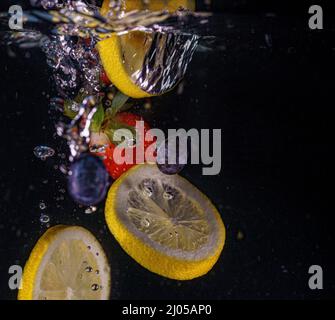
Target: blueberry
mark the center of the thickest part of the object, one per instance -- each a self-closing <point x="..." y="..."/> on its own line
<point x="170" y="168"/>
<point x="171" y="147"/>
<point x="88" y="181"/>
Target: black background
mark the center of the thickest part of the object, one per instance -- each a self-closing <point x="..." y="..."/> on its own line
<point x="274" y="104"/>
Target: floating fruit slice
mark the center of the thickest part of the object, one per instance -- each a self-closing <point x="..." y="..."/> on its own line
<point x="165" y="223"/>
<point x="67" y="263"/>
<point x="138" y="63"/>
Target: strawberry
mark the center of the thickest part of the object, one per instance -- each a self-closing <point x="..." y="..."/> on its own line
<point x="128" y="121"/>
<point x="104" y="78"/>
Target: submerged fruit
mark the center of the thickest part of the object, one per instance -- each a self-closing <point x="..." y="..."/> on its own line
<point x="142" y="64"/>
<point x="67" y="263"/>
<point x="165" y="223"/>
<point x="88" y="181"/>
<point x="114" y="165"/>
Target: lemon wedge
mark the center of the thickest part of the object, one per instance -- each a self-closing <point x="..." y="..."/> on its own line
<point x="126" y="60"/>
<point x="67" y="263"/>
<point x="165" y="223"/>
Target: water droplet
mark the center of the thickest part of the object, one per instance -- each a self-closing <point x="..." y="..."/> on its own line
<point x="95" y="287"/>
<point x="43" y="152"/>
<point x="97" y="272"/>
<point x="44" y="218"/>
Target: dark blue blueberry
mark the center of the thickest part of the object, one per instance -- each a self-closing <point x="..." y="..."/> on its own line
<point x="89" y="180"/>
<point x="180" y="156"/>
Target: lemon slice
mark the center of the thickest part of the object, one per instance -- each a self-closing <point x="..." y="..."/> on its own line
<point x="165" y="223"/>
<point x="140" y="63"/>
<point x="67" y="263"/>
<point x="153" y="5"/>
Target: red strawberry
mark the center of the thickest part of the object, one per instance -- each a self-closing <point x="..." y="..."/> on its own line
<point x="104" y="79"/>
<point x="129" y="122"/>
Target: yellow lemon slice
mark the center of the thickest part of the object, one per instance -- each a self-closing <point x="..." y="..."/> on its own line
<point x="153" y="5"/>
<point x="67" y="263"/>
<point x="125" y="58"/>
<point x="165" y="223"/>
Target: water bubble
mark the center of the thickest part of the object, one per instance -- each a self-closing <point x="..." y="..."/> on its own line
<point x="147" y="191"/>
<point x="63" y="169"/>
<point x="95" y="287"/>
<point x="90" y="210"/>
<point x="168" y="195"/>
<point x="88" y="269"/>
<point x="42" y="205"/>
<point x="43" y="152"/>
<point x="44" y="218"/>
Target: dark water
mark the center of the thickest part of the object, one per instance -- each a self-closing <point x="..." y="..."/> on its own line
<point x="267" y="85"/>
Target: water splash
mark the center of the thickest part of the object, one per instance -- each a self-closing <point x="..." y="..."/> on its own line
<point x="67" y="32"/>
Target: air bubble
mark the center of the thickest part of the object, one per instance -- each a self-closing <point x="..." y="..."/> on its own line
<point x="88" y="269"/>
<point x="42" y="205"/>
<point x="90" y="210"/>
<point x="147" y="191"/>
<point x="168" y="195"/>
<point x="95" y="287"/>
<point x="43" y="152"/>
<point x="44" y="218"/>
<point x="145" y="223"/>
